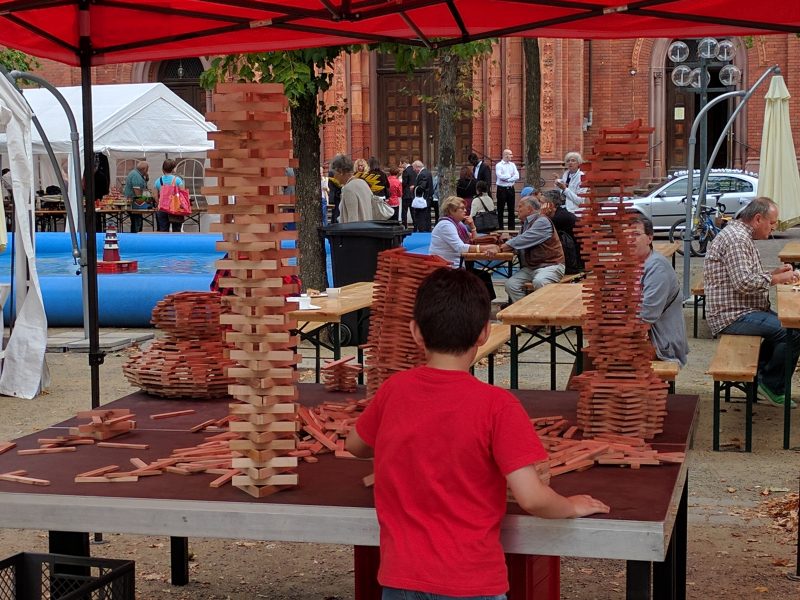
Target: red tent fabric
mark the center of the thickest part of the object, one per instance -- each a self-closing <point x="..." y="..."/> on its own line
<point x="137" y="30"/>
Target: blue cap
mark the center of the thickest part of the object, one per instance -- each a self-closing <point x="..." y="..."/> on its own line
<point x="527" y="191"/>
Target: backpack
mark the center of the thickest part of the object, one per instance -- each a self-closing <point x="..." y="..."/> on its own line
<point x="572" y="257"/>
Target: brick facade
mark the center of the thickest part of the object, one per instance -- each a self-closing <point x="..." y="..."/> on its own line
<point x="613" y="81"/>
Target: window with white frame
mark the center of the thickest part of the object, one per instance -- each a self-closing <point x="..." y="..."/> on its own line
<point x="192" y="171"/>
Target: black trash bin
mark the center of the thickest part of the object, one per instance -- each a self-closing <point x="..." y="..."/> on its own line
<point x="354" y="257"/>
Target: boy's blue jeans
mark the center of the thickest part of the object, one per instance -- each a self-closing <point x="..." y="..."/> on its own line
<point x="395" y="594"/>
<point x="777" y="342"/>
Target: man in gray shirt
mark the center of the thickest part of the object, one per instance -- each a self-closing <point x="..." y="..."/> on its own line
<point x="661" y="297"/>
<point x="539" y="247"/>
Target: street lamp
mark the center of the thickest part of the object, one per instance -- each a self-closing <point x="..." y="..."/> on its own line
<point x="695" y="76"/>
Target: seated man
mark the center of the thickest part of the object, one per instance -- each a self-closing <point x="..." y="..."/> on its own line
<point x="737" y="293"/>
<point x="539" y="247"/>
<point x="662" y="306"/>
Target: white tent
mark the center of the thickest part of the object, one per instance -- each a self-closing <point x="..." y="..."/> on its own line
<point x="24" y="370"/>
<point x="131" y="121"/>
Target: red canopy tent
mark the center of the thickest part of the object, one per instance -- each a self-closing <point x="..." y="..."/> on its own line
<point x="115" y="31"/>
<point x="96" y="32"/>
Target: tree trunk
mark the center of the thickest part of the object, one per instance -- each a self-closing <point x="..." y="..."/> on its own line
<point x="450" y="71"/>
<point x="306" y="143"/>
<point x="533" y="113"/>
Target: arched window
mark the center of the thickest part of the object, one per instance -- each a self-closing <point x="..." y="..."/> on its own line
<point x="182" y="76"/>
<point x="124" y="166"/>
<point x="192" y="171"/>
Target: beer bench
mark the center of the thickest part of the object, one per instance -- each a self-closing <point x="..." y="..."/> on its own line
<point x="734" y="365"/>
<point x="499" y="335"/>
<point x="666" y="370"/>
<point x="698" y="300"/>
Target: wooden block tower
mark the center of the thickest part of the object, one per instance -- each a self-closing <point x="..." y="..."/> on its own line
<point x="390" y="347"/>
<point x="252" y="151"/>
<point x="622" y="395"/>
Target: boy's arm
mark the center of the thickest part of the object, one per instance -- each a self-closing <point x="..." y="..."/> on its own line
<point x="356" y="446"/>
<point x="541" y="501"/>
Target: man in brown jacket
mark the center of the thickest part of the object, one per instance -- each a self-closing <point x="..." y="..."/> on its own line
<point x="539" y="247"/>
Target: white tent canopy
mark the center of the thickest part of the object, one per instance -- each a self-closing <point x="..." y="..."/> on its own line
<point x="137" y="120"/>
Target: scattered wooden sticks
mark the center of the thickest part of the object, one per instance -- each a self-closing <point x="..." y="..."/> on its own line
<point x="20" y="477"/>
<point x="169" y="415"/>
<point x="104" y="424"/>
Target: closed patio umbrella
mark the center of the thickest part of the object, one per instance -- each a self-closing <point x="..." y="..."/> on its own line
<point x="778" y="175"/>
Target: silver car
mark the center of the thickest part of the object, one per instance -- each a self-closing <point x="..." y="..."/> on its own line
<point x="665" y="204"/>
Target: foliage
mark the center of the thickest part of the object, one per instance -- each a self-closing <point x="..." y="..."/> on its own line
<point x="303" y="73"/>
<point x="14" y="60"/>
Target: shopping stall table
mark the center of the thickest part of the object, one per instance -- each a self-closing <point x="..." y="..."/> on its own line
<point x="646" y="526"/>
<point x="546" y="316"/>
<point x="353" y="298"/>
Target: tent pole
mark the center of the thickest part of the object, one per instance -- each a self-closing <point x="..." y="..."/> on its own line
<point x="95" y="356"/>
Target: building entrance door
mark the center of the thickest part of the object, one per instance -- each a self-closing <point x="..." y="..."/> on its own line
<point x="683" y="104"/>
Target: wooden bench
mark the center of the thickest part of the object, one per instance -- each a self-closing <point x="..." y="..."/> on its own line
<point x="575" y="277"/>
<point x="734" y="365"/>
<point x="499" y="335"/>
<point x="698" y="299"/>
<point x="667" y="370"/>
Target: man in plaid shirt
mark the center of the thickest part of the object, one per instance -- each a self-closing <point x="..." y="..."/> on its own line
<point x="737" y="293"/>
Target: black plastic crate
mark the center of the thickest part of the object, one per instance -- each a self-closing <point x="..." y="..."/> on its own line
<point x="29" y="576"/>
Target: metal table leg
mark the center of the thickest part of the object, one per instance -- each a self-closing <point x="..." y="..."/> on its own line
<point x="514" y="367"/>
<point x="638" y="582"/>
<point x="552" y="358"/>
<point x="179" y="560"/>
<point x="787" y="402"/>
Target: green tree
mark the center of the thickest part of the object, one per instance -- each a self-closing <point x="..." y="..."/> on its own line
<point x="304" y="75"/>
<point x="533" y="112"/>
<point x="14" y="60"/>
<point x="453" y="101"/>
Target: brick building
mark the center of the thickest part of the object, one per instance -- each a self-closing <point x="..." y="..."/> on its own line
<point x="586" y="85"/>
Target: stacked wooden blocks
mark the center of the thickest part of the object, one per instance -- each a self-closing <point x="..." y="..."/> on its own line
<point x="340" y="376"/>
<point x="622" y="395"/>
<point x="104" y="424"/>
<point x="252" y="152"/>
<point x="189" y="362"/>
<point x="390" y="347"/>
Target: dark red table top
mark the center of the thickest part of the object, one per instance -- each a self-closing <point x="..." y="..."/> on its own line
<point x="641" y="495"/>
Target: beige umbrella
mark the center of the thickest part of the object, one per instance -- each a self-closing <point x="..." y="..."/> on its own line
<point x="778" y="175"/>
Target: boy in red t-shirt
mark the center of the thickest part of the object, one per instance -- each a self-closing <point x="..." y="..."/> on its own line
<point x="446" y="446"/>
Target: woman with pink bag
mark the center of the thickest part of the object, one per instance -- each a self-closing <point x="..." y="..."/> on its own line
<point x="173" y="199"/>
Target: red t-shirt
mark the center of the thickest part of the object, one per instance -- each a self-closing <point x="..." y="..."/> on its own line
<point x="395" y="191"/>
<point x="444" y="442"/>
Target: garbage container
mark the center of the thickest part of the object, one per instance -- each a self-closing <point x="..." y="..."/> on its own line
<point x="354" y="258"/>
<point x="355" y="248"/>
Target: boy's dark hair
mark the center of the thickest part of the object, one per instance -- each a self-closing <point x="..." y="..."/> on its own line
<point x="451" y="310"/>
<point x="394" y="171"/>
<point x="481" y="187"/>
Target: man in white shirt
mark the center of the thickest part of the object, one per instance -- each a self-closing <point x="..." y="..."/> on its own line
<point x="507" y="175"/>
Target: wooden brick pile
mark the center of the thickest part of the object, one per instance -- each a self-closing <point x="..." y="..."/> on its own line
<point x="390" y="347"/>
<point x="621" y="395"/>
<point x="189" y="362"/>
<point x="324" y="428"/>
<point x="103" y="424"/>
<point x="252" y="152"/>
<point x="567" y="454"/>
<point x="340" y="376"/>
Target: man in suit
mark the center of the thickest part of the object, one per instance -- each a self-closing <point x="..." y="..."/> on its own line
<point x="423" y="188"/>
<point x="481" y="171"/>
<point x="408" y="180"/>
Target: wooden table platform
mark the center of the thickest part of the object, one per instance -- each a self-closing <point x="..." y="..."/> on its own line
<point x="354" y="298"/>
<point x="646" y="526"/>
<point x="546" y="315"/>
<point x="790" y="253"/>
<point x="789" y="315"/>
<point x="668" y="249"/>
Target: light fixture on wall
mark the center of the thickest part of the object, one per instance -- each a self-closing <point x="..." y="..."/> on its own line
<point x="633" y="71"/>
<point x="180" y="69"/>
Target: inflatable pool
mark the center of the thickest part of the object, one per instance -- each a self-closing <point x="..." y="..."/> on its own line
<point x="167" y="264"/>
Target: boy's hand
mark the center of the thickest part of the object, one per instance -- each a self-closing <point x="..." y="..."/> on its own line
<point x="585" y="505"/>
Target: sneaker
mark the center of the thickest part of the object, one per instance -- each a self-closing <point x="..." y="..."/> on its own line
<point x="775" y="399"/>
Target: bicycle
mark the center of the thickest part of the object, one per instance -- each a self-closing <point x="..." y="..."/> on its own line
<point x="705" y="228"/>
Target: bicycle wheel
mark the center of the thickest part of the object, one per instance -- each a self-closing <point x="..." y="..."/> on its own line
<point x="698" y="244"/>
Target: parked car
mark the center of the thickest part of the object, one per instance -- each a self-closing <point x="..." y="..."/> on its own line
<point x="665" y="205"/>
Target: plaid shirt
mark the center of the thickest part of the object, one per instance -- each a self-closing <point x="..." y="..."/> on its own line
<point x="735" y="282"/>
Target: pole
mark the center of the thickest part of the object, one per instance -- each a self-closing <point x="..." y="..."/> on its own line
<point x="687" y="232"/>
<point x="95" y="356"/>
